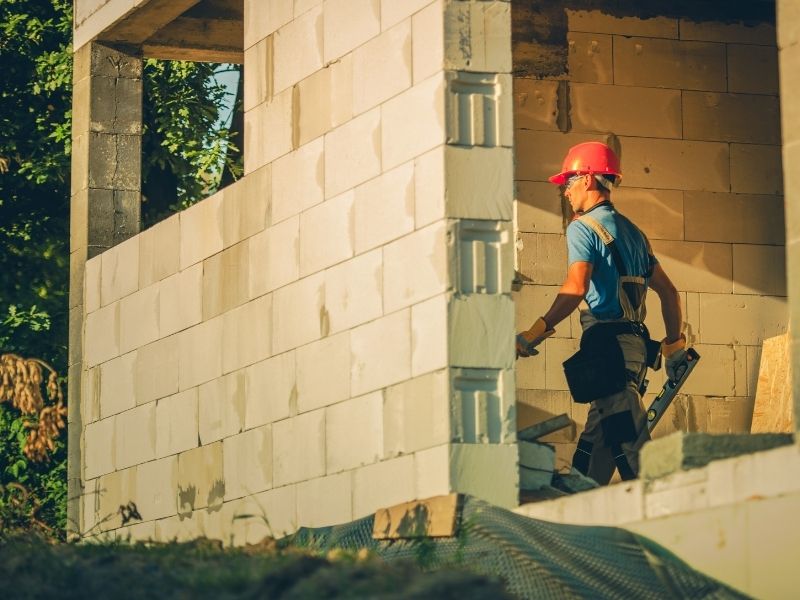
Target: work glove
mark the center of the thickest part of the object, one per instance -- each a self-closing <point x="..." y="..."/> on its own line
<point x="675" y="357"/>
<point x="528" y="340"/>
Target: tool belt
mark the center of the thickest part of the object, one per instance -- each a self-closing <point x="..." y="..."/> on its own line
<point x="597" y="369"/>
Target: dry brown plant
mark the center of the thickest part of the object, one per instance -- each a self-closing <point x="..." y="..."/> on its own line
<point x="21" y="383"/>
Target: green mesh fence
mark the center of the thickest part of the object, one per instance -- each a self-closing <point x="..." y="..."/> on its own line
<point x="537" y="559"/>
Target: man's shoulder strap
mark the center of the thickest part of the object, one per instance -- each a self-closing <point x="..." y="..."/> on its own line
<point x="607" y="239"/>
<point x="603" y="233"/>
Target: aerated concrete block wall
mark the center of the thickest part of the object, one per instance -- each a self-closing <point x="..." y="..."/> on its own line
<point x="333" y="333"/>
<point x="692" y="106"/>
<point x="789" y="43"/>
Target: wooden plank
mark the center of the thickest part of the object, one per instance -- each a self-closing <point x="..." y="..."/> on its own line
<point x="205" y="40"/>
<point x="218" y="9"/>
<point x="534" y="432"/>
<point x="434" y="517"/>
<point x="163" y="52"/>
<point x="146" y="20"/>
<point x="773" y="408"/>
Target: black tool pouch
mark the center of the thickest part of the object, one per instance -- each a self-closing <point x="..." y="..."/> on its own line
<point x="597" y="370"/>
<point x="653" y="353"/>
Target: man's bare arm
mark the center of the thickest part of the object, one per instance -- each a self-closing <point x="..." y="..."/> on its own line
<point x="571" y="293"/>
<point x="670" y="303"/>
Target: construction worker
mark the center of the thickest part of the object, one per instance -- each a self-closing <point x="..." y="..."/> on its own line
<point x="610" y="266"/>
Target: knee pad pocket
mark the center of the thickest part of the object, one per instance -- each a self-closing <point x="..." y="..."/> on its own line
<point x="619" y="428"/>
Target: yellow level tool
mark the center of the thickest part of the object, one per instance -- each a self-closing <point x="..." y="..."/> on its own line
<point x="670" y="390"/>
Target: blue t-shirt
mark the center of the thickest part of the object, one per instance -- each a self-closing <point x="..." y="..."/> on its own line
<point x="583" y="244"/>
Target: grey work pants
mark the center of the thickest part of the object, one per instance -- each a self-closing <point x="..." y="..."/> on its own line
<point x="617" y="424"/>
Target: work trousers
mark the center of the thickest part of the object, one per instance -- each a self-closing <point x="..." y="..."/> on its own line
<point x="616" y="427"/>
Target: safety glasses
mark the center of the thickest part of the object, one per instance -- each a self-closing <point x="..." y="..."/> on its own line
<point x="571" y="181"/>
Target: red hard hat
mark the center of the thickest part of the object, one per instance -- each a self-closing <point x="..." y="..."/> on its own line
<point x="594" y="158"/>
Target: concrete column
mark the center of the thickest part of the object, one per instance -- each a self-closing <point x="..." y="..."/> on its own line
<point x="479" y="176"/>
<point x="105" y="200"/>
<point x="788" y="29"/>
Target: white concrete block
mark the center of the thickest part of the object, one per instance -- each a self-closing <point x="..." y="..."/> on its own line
<point x="181" y="300"/>
<point x="343" y="449"/>
<point x="248" y="462"/>
<point x="90" y="395"/>
<point x="278" y="510"/>
<point x="393" y="12"/>
<point x="247" y="334"/>
<point x="487" y="471"/>
<point x="159" y="251"/>
<point x="478" y="36"/>
<point x="738" y="319"/>
<point x="354" y="291"/>
<point x="156" y="487"/>
<point x="299" y="448"/>
<point x="98" y="449"/>
<point x="140" y="532"/>
<point x="384" y="208"/>
<point x="326" y="234"/>
<point x="139" y="319"/>
<point x="416" y="414"/>
<point x="201" y="481"/>
<point x="427" y="27"/>
<point x="268" y="131"/>
<point x="246" y="206"/>
<point x="429" y="335"/>
<point x="297" y="181"/>
<point x="488" y="318"/>
<point x="116" y="385"/>
<point x="303" y="6"/>
<point x="353" y="153"/>
<point x="381" y="353"/>
<point x="113" y="490"/>
<point x="479" y="183"/>
<point x="176" y="423"/>
<point x="429" y="187"/>
<point x="432" y="472"/>
<point x="156" y="370"/>
<point x="101" y="336"/>
<point x="483" y="406"/>
<point x="119" y="271"/>
<point x="416" y="267"/>
<point x="275" y="257"/>
<point x="270" y="390"/>
<point x="325" y="501"/>
<point x="201" y="230"/>
<point x="182" y="527"/>
<point x="250" y="519"/>
<point x="382" y="67"/>
<point x="323" y="372"/>
<point x="382" y="485"/>
<point x="91" y="284"/>
<point x="135" y="436"/>
<point x="263" y="17"/>
<point x="348" y="24"/>
<point x="298" y="313"/>
<point x="221" y="406"/>
<point x="298" y="49"/>
<point x="258" y="66"/>
<point x="413" y="122"/>
<point x="200" y="350"/>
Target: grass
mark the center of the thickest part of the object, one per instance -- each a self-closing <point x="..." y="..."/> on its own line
<point x="34" y="567"/>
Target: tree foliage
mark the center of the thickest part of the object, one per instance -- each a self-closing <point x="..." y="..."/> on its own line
<point x="185" y="154"/>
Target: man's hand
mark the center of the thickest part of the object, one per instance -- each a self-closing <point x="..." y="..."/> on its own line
<point x="528" y="340"/>
<point x="674" y="354"/>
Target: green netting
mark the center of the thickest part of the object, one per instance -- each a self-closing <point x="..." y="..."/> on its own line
<point x="537" y="559"/>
